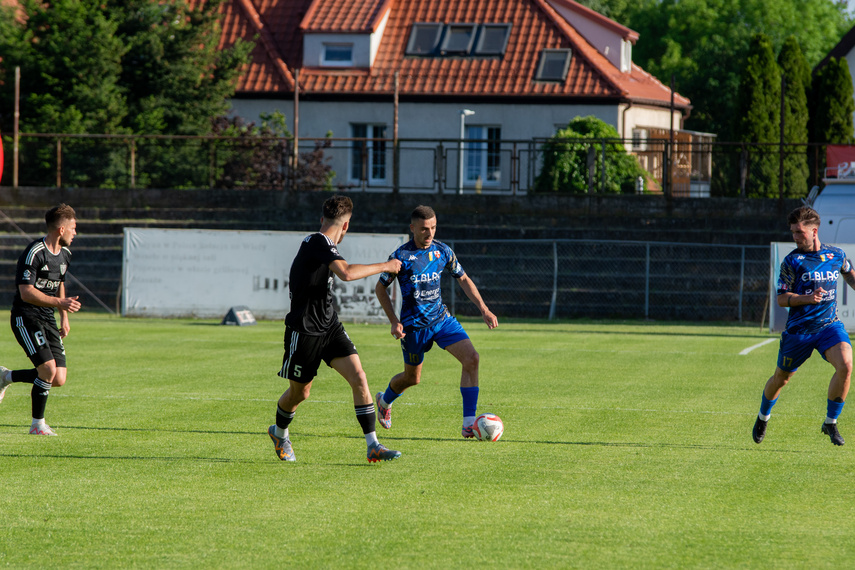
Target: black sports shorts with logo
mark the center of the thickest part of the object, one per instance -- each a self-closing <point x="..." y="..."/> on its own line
<point x="303" y="352"/>
<point x="39" y="339"/>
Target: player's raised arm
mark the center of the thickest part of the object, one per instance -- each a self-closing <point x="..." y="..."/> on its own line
<point x="351" y="272"/>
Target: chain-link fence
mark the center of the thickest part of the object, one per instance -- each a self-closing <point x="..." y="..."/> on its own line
<point x="540" y="279"/>
<point x="613" y="279"/>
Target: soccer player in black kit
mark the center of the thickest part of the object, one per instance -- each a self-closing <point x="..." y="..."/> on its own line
<point x="40" y="283"/>
<point x="314" y="333"/>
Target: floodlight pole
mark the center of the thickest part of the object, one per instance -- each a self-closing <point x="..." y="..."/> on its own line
<point x="463" y="114"/>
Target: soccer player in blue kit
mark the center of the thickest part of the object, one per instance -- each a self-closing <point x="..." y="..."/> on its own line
<point x="425" y="320"/>
<point x="807" y="285"/>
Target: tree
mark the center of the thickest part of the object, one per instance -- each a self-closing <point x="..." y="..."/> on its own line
<point x="568" y="153"/>
<point x="832" y="106"/>
<point x="758" y="116"/>
<point x="796" y="73"/>
<point x="117" y="67"/>
<point x="698" y="40"/>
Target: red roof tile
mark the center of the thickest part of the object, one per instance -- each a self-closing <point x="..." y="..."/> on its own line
<point x="535" y="26"/>
<point x="337" y="16"/>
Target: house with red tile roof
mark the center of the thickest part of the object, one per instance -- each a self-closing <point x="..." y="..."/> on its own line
<point x="521" y="69"/>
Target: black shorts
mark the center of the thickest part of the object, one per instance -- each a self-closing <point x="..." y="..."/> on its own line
<point x="303" y="352"/>
<point x="39" y="339"/>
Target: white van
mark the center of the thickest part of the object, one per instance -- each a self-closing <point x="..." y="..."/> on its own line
<point x="836" y="204"/>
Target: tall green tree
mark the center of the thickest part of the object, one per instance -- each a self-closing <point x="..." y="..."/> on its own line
<point x="757" y="116"/>
<point x="70" y="60"/>
<point x="700" y="42"/>
<point x="796" y="74"/>
<point x="117" y="67"/>
<point x="832" y="106"/>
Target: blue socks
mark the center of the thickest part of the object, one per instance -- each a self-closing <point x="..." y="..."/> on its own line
<point x="834" y="409"/>
<point x="390" y="395"/>
<point x="470" y="401"/>
<point x="766" y="408"/>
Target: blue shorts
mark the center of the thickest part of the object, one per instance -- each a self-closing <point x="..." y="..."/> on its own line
<point x="417" y="342"/>
<point x="796" y="348"/>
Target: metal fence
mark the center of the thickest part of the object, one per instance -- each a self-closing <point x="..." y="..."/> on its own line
<point x="560" y="279"/>
<point x="695" y="167"/>
<point x="539" y="279"/>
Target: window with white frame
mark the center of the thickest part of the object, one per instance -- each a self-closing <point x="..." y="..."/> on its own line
<point x="337" y="55"/>
<point x="368" y="157"/>
<point x="639" y="140"/>
<point x="483" y="157"/>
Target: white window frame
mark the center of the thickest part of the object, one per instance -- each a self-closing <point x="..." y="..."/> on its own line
<point x="377" y="153"/>
<point x="639" y="139"/>
<point x="477" y="156"/>
<point x="326" y="62"/>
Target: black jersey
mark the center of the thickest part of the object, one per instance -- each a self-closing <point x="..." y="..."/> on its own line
<point x="311" y="284"/>
<point x="44" y="270"/>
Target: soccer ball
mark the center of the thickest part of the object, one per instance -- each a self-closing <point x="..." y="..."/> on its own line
<point x="488" y="427"/>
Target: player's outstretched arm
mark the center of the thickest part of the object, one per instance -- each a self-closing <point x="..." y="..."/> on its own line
<point x="351" y="272"/>
<point x="849" y="277"/>
<point x="472" y="292"/>
<point x="388" y="308"/>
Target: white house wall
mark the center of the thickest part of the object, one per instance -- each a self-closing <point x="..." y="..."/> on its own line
<point x="435" y="122"/>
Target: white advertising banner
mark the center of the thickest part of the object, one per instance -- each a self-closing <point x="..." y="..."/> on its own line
<point x="778" y="315"/>
<point x="203" y="273"/>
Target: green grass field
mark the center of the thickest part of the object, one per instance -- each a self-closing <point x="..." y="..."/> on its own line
<point x="625" y="445"/>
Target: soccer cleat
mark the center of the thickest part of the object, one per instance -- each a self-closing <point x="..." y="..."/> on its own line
<point x="282" y="445"/>
<point x="759" y="431"/>
<point x="831" y="431"/>
<point x="384" y="415"/>
<point x="377" y="452"/>
<point x="467" y="432"/>
<point x="41" y="429"/>
<point x="5" y="380"/>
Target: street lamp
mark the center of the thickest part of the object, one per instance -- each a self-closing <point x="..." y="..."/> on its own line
<point x="463" y="114"/>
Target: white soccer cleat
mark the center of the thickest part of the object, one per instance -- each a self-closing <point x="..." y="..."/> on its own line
<point x="42" y="429"/>
<point x="5" y="380"/>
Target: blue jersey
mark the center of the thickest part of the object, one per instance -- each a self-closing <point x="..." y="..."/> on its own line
<point x="803" y="273"/>
<point x="421" y="269"/>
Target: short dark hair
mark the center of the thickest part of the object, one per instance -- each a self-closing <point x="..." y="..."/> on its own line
<point x="56" y="216"/>
<point x="337" y="206"/>
<point x="422" y="213"/>
<point x="804" y="215"/>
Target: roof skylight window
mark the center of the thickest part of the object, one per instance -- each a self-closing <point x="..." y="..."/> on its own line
<point x="493" y="39"/>
<point x="424" y="38"/>
<point x="554" y="64"/>
<point x="458" y="39"/>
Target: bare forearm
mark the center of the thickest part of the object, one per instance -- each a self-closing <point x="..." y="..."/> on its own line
<point x="386" y="303"/>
